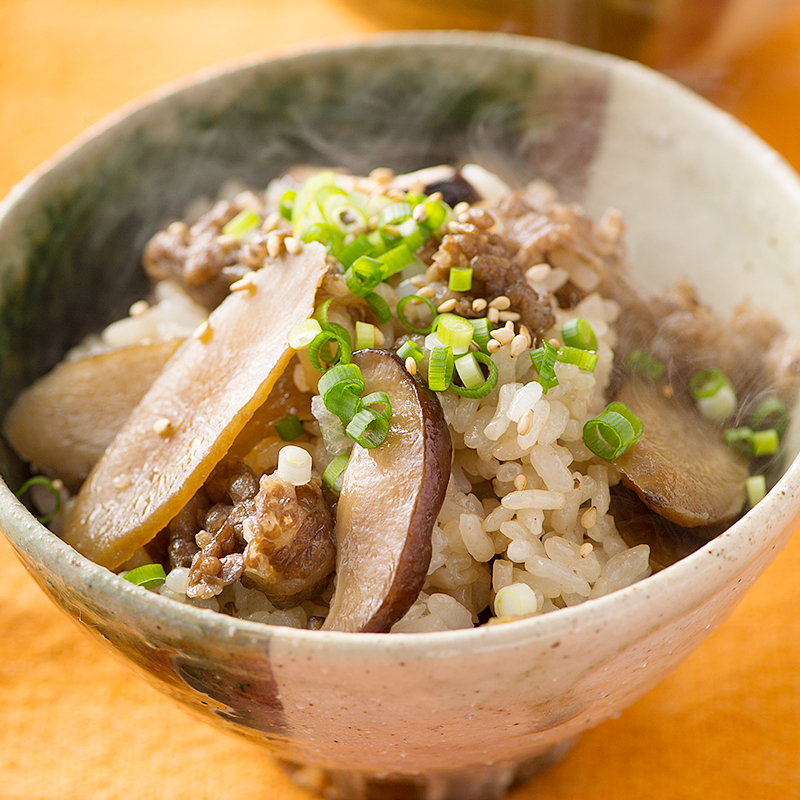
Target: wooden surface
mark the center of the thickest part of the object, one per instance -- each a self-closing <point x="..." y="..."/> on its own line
<point x="74" y="724"/>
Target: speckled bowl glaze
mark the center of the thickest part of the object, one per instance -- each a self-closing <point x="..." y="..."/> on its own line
<point x="457" y="714"/>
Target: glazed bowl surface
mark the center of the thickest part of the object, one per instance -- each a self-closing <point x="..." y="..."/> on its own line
<point x="455" y="714"/>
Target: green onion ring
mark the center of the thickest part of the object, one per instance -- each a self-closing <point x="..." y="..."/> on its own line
<point x="334" y="472"/>
<point x="488" y="385"/>
<point x="334" y="332"/>
<point x="148" y="576"/>
<point x="578" y="333"/>
<point x="368" y="428"/>
<point x="404" y="301"/>
<point x="613" y="432"/>
<point x="379" y="397"/>
<point x="41" y="480"/>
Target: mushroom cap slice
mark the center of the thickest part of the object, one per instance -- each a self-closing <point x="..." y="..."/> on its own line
<point x="194" y="410"/>
<point x="681" y="467"/>
<point x="390" y="499"/>
<point x="64" y="421"/>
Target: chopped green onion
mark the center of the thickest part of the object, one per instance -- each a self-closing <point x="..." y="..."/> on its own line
<point x="740" y="439"/>
<point x="413" y="234"/>
<point x="481" y="332"/>
<point x="302" y="334"/>
<point x="289" y="428"/>
<point x="379" y="307"/>
<point x="287" y="204"/>
<point x="319" y="350"/>
<point x="486" y="386"/>
<point x="714" y="394"/>
<point x="765" y="442"/>
<point x="578" y="333"/>
<point x="454" y="331"/>
<point x="585" y="359"/>
<point x="307" y="196"/>
<point x="365" y="336"/>
<point x="244" y="221"/>
<point x="364" y="275"/>
<point x="378" y="397"/>
<point x="613" y="432"/>
<point x="440" y="368"/>
<point x="435" y="215"/>
<point x="334" y="472"/>
<point x="41" y="480"/>
<point x="544" y="360"/>
<point x="321" y="314"/>
<point x="396" y="259"/>
<point x="756" y="487"/>
<point x="360" y="246"/>
<point x="411" y="348"/>
<point x="394" y="213"/>
<point x="404" y="301"/>
<point x="469" y="371"/>
<point x="460" y="279"/>
<point x="368" y="428"/>
<point x="148" y="576"/>
<point x="340" y="388"/>
<point x="325" y="234"/>
<point x="771" y="412"/>
<point x="643" y="363"/>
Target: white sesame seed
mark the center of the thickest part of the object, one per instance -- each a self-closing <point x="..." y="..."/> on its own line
<point x="586" y="548"/>
<point x="447" y="306"/>
<point x="502" y="335"/>
<point x="275" y="245"/>
<point x="203" y="331"/>
<point x="518" y="345"/>
<point x="479" y="304"/>
<point x="525" y="423"/>
<point x="538" y="272"/>
<point x="245" y="283"/>
<point x="453" y="227"/>
<point x="292" y="245"/>
<point x="508" y="316"/>
<point x="382" y="175"/>
<point x="417" y="281"/>
<point x="436" y="197"/>
<point x="493" y="315"/>
<point x="520" y="482"/>
<point x="493" y="345"/>
<point x="428" y="292"/>
<point x="411" y="366"/>
<point x="419" y="214"/>
<point x="501" y="303"/>
<point x="163" y="427"/>
<point x="138" y="308"/>
<point x="380" y="339"/>
<point x="461" y="208"/>
<point x="589" y="518"/>
<point x="271" y="222"/>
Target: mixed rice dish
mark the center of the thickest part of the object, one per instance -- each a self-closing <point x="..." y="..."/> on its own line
<point x="402" y="403"/>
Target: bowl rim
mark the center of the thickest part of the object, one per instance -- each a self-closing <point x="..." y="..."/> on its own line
<point x="759" y="530"/>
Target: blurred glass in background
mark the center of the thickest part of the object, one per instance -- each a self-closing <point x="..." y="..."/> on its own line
<point x="698" y="42"/>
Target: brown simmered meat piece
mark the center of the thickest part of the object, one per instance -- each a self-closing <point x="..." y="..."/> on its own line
<point x="184" y="528"/>
<point x="201" y="258"/>
<point x="291" y="549"/>
<point x="495" y="272"/>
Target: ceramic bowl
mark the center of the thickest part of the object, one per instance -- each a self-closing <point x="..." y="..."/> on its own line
<point x="446" y="715"/>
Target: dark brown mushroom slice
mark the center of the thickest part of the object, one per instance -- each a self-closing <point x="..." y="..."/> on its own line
<point x="681" y="467"/>
<point x="390" y="499"/>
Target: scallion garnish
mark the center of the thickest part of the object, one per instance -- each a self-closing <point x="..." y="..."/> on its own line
<point x="756" y="488"/>
<point x="410" y="348"/>
<point x="544" y="360"/>
<point x="643" y="363"/>
<point x="148" y="576"/>
<point x="365" y="336"/>
<point x="394" y="213"/>
<point x="368" y="428"/>
<point x="379" y="307"/>
<point x="400" y="311"/>
<point x="481" y="332"/>
<point x="714" y="394"/>
<point x="286" y="204"/>
<point x="396" y="259"/>
<point x="289" y="428"/>
<point x="319" y="350"/>
<point x="435" y="214"/>
<point x="613" y="432"/>
<point x="360" y="246"/>
<point x="321" y="313"/>
<point x="585" y="359"/>
<point x="771" y="412"/>
<point x="578" y="333"/>
<point x="765" y="442"/>
<point x="302" y="334"/>
<point x="460" y="279"/>
<point x="740" y="439"/>
<point x="486" y="386"/>
<point x="364" y="275"/>
<point x="41" y="480"/>
<point x="340" y="388"/>
<point x="378" y="398"/>
<point x="454" y="331"/>
<point x="334" y="472"/>
<point x="440" y="368"/>
<point x="244" y="221"/>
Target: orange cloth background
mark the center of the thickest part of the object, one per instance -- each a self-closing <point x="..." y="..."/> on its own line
<point x="75" y="725"/>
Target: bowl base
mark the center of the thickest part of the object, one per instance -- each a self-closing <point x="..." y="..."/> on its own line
<point x="481" y="782"/>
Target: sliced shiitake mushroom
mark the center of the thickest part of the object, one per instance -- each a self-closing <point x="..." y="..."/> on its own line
<point x="63" y="422"/>
<point x="681" y="467"/>
<point x="390" y="499"/>
<point x="194" y="410"/>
